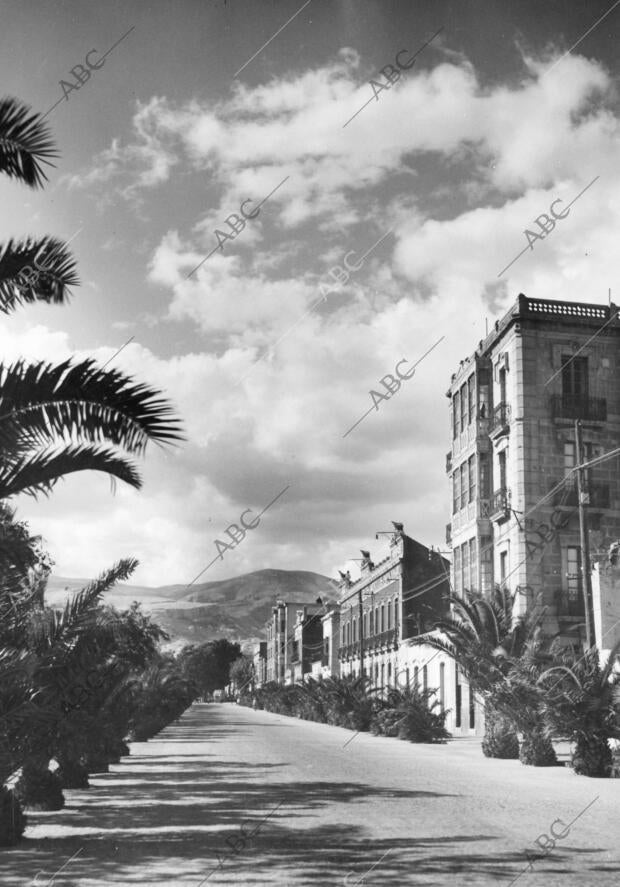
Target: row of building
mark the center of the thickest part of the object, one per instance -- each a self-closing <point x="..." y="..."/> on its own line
<point x="538" y="397"/>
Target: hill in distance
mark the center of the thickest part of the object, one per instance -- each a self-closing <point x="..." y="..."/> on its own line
<point x="235" y="608"/>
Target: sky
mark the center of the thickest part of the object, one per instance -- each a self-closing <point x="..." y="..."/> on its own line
<point x="364" y="218"/>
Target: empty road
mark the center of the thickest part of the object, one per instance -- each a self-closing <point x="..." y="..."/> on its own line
<point x="233" y="796"/>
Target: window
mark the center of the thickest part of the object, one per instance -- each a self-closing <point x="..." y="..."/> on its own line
<point x="465" y="563"/>
<point x="456" y="486"/>
<point x="343" y="637"/>
<point x="472" y="709"/>
<point x="348" y="633"/>
<point x="483" y="393"/>
<point x="416" y="679"/>
<point x="502" y="385"/>
<point x="473" y="565"/>
<point x="372" y="623"/>
<point x="407" y="676"/>
<point x="458" y="584"/>
<point x="456" y="411"/>
<point x="486" y="563"/>
<point x="389" y="615"/>
<point x="442" y="686"/>
<point x="389" y="672"/>
<point x="573" y="572"/>
<point x="501" y="458"/>
<point x="376" y="674"/>
<point x="471" y="463"/>
<point x="471" y="399"/>
<point x="457" y="696"/>
<point x="395" y="614"/>
<point x="574" y="377"/>
<point x="354" y="631"/>
<point x="464" y="485"/>
<point x="569" y="456"/>
<point x="365" y="623"/>
<point x="425" y="678"/>
<point x="377" y="629"/>
<point x="382" y="674"/>
<point x="485" y="476"/>
<point x="503" y="567"/>
<point x="382" y="618"/>
<point x="463" y="407"/>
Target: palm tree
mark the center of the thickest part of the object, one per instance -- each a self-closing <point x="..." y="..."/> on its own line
<point x="484" y="638"/>
<point x="581" y="702"/>
<point x="56" y="639"/>
<point x="55" y="420"/>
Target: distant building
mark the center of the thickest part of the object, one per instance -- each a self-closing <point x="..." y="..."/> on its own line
<point x="330" y="661"/>
<point x="392" y="601"/>
<point x="280" y="629"/>
<point x="307" y="643"/>
<point x="259" y="660"/>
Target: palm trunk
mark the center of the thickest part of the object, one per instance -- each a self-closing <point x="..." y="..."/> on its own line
<point x="38" y="788"/>
<point x="592" y="756"/>
<point x="12" y="819"/>
<point x="72" y="773"/>
<point x="536" y="750"/>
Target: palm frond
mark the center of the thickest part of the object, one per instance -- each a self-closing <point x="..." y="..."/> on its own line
<point x="35" y="474"/>
<point x="40" y="402"/>
<point x="25" y="143"/>
<point x="35" y="271"/>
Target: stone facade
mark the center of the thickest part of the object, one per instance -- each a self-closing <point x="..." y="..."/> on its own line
<point x="514" y="403"/>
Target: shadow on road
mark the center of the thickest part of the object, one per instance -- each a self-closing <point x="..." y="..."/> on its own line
<point x="165" y="819"/>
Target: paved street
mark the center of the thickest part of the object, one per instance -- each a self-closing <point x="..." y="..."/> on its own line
<point x="381" y="810"/>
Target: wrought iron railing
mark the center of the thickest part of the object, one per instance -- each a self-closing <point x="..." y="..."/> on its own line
<point x="578" y="406"/>
<point x="501" y="418"/>
<point x="570" y="604"/>
<point x="500" y="504"/>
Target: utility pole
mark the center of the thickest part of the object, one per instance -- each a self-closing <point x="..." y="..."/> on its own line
<point x="361" y="618"/>
<point x="583" y="498"/>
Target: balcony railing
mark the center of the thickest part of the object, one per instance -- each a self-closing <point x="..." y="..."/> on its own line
<point x="500" y="422"/>
<point x="598" y="496"/>
<point x="576" y="406"/>
<point x="570" y="605"/>
<point x="500" y="505"/>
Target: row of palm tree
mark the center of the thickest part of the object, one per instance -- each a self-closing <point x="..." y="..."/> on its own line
<point x="75" y="683"/>
<point x="536" y="688"/>
<point x="351" y="702"/>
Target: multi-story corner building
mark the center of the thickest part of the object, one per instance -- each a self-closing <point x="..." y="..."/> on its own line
<point x="307" y="643"/>
<point x="392" y="601"/>
<point x="330" y="661"/>
<point x="280" y="630"/>
<point x="259" y="660"/>
<point x="514" y="405"/>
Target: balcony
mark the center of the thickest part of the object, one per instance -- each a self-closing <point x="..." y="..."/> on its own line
<point x="570" y="606"/>
<point x="576" y="406"/>
<point x="384" y="639"/>
<point x="449" y="462"/>
<point x="500" y="505"/>
<point x="598" y="496"/>
<point x="500" y="420"/>
<point x="448" y="534"/>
